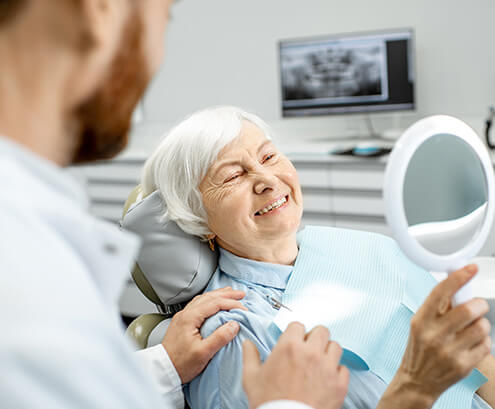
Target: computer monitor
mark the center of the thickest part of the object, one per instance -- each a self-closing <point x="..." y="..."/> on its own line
<point x="347" y="73"/>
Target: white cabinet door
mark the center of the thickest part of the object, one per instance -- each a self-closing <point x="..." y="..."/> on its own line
<point x="317" y="201"/>
<point x="357" y="203"/>
<point x="313" y="176"/>
<point x="358" y="177"/>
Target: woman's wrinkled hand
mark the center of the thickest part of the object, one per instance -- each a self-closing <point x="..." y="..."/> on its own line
<point x="301" y="367"/>
<point x="445" y="343"/>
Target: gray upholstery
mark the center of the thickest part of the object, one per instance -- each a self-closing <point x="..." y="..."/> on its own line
<point x="177" y="265"/>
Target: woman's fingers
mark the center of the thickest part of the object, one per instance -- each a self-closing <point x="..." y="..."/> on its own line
<point x="472" y="335"/>
<point x="464" y="315"/>
<point x="468" y="359"/>
<point x="438" y="302"/>
<point x="445" y="343"/>
<point x="480" y="351"/>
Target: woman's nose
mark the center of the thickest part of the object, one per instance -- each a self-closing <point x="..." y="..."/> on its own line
<point x="264" y="181"/>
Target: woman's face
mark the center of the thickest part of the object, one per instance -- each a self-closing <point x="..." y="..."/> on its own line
<point x="252" y="195"/>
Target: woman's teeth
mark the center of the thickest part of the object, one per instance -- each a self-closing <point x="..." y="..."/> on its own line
<point x="273" y="206"/>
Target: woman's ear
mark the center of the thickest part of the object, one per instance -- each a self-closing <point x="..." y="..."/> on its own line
<point x="211" y="241"/>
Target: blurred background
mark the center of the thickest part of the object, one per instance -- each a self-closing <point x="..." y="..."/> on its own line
<point x="227" y="52"/>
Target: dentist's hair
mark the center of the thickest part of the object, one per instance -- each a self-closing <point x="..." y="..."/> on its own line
<point x="183" y="157"/>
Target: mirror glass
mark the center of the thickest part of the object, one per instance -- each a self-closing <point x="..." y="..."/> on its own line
<point x="445" y="194"/>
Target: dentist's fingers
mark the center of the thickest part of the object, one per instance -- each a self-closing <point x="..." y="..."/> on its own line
<point x="334" y="352"/>
<point x="318" y="337"/>
<point x="295" y="331"/>
<point x="210" y="303"/>
<point x="300" y="368"/>
<point x="188" y="351"/>
<point x="251" y="361"/>
<point x="212" y="306"/>
<point x="343" y="377"/>
<point x="218" y="339"/>
<point x="223" y="293"/>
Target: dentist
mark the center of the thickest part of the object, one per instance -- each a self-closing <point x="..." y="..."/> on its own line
<point x="71" y="73"/>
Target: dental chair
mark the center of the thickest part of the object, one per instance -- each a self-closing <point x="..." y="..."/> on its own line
<point x="171" y="268"/>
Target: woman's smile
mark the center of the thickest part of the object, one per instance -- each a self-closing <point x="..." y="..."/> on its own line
<point x="274" y="207"/>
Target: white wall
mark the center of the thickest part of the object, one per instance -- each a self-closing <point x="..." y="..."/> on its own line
<point x="225" y="52"/>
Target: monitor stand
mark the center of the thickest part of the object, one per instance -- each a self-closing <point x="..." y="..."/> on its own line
<point x="386" y="138"/>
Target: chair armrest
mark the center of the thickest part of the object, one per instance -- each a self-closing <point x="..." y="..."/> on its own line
<point x="140" y="329"/>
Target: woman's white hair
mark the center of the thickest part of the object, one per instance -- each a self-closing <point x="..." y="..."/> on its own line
<point x="183" y="157"/>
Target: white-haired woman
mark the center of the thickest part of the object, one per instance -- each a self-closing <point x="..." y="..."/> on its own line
<point x="223" y="180"/>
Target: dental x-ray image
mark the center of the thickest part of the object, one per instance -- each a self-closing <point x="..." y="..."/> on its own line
<point x="335" y="72"/>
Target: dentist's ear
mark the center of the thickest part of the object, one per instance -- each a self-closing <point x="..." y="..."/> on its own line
<point x="103" y="20"/>
<point x="94" y="32"/>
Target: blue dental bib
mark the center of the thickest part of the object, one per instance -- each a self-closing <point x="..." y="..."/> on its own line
<point x="365" y="290"/>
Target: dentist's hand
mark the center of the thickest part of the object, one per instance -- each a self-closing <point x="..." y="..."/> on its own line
<point x="187" y="349"/>
<point x="301" y="367"/>
<point x="444" y="345"/>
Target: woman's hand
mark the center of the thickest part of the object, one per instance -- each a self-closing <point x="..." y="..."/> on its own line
<point x="302" y="367"/>
<point x="444" y="345"/>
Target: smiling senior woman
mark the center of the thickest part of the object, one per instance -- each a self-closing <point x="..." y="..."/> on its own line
<point x="224" y="180"/>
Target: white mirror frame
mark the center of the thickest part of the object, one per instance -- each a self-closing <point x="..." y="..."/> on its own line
<point x="395" y="174"/>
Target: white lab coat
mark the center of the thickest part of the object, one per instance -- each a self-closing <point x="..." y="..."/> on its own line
<point x="61" y="272"/>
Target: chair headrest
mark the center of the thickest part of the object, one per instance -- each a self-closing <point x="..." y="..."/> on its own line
<point x="177" y="265"/>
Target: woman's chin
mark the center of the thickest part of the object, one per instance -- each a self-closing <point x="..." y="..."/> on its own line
<point x="279" y="226"/>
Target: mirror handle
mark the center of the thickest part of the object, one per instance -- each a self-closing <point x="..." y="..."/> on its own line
<point x="463" y="295"/>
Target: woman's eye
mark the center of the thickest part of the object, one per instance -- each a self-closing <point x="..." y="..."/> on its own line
<point x="233" y="177"/>
<point x="268" y="157"/>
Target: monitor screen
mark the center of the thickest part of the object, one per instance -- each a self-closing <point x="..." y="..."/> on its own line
<point x="348" y="73"/>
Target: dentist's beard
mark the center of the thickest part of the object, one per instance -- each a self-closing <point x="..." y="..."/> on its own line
<point x="104" y="120"/>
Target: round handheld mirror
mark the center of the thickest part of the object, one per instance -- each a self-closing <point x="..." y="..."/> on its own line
<point x="439" y="195"/>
